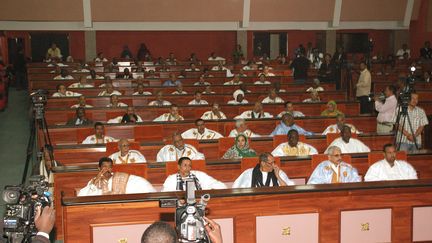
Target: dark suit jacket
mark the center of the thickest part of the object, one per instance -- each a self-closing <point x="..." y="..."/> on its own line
<point x="72" y="122"/>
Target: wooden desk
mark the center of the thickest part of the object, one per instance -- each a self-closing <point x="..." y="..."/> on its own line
<point x="245" y="205"/>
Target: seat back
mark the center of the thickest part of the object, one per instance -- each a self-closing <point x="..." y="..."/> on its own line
<point x="330" y="137"/>
<point x="83" y="133"/>
<point x="148" y="133"/>
<point x="224" y="144"/>
<point x="376" y="156"/>
<point x="138" y="169"/>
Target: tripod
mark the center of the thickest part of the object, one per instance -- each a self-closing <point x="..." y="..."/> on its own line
<point x="37" y="123"/>
<point x="403" y="116"/>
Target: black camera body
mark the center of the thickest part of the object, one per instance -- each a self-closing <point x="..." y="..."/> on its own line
<point x="190" y="223"/>
<point x="21" y="203"/>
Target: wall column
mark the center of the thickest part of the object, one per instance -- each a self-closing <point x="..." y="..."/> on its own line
<point x="242" y="40"/>
<point x="90" y="45"/>
<point x="330" y="41"/>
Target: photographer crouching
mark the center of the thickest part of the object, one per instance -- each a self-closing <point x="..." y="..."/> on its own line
<point x="386" y="107"/>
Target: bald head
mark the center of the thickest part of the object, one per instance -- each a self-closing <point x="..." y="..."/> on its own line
<point x="160" y="232"/>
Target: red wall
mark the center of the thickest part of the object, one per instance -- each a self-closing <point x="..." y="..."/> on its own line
<point x="381" y="40"/>
<point x="418" y="33"/>
<point x="160" y="43"/>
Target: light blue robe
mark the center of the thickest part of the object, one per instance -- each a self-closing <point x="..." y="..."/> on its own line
<point x="323" y="173"/>
<point x="283" y="129"/>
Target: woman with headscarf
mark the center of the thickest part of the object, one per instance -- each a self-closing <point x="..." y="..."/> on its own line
<point x="240" y="149"/>
<point x="331" y="110"/>
<point x="238" y="96"/>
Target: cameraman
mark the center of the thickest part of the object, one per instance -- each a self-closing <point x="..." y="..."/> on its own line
<point x="386" y="109"/>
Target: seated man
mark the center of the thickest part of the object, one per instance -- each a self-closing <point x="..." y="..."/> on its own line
<point x="141" y="91"/>
<point x="94" y="75"/>
<point x="81" y="84"/>
<point x="201" y="82"/>
<point x="256" y="113"/>
<point x="214" y="114"/>
<point x="389" y="168"/>
<point x="129" y="117"/>
<point x="125" y="75"/>
<point x="172" y="81"/>
<point x="202" y="181"/>
<point x="234" y="81"/>
<point x="340" y="122"/>
<point x="314" y="98"/>
<point x="241" y="128"/>
<point x="293" y="147"/>
<point x="266" y="72"/>
<point x="208" y="90"/>
<point x="172" y="115"/>
<point x="99" y="136"/>
<point x="192" y="68"/>
<point x="109" y="183"/>
<point x="80" y="118"/>
<point x="289" y="108"/>
<point x="81" y="103"/>
<point x="288" y="123"/>
<point x="200" y="132"/>
<point x="115" y="103"/>
<point x="265" y="173"/>
<point x="64" y="75"/>
<point x="262" y="80"/>
<point x="197" y="99"/>
<point x="109" y="90"/>
<point x="219" y="67"/>
<point x="62" y="92"/>
<point x="347" y="144"/>
<point x="126" y="155"/>
<point x="238" y="98"/>
<point x="331" y="110"/>
<point x="334" y="170"/>
<point x="159" y="100"/>
<point x="178" y="149"/>
<point x="272" y="98"/>
<point x="315" y="86"/>
<point x="179" y="90"/>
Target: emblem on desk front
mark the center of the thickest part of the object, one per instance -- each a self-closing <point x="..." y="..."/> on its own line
<point x="122" y="240"/>
<point x="286" y="231"/>
<point x="365" y="227"/>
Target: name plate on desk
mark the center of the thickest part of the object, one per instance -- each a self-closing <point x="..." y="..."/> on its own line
<point x="366" y="226"/>
<point x="118" y="233"/>
<point x="422" y="224"/>
<point x="287" y="228"/>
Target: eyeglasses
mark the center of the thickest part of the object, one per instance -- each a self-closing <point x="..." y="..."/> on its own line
<point x="336" y="155"/>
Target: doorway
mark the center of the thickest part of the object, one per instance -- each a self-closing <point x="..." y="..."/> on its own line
<point x="40" y="42"/>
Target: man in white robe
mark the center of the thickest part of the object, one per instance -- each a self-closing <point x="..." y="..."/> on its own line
<point x="200" y="132"/>
<point x="214" y="114"/>
<point x="289" y="108"/>
<point x="99" y="137"/>
<point x="202" y="181"/>
<point x="115" y="103"/>
<point x="239" y="99"/>
<point x="126" y="155"/>
<point x="334" y="170"/>
<point x="172" y="115"/>
<point x="141" y="91"/>
<point x="234" y="81"/>
<point x="108" y="183"/>
<point x="262" y="80"/>
<point x="62" y="92"/>
<point x="159" y="100"/>
<point x="197" y="99"/>
<point x="340" y="122"/>
<point x="389" y="168"/>
<point x="272" y="98"/>
<point x="265" y="174"/>
<point x="109" y="90"/>
<point x="173" y="152"/>
<point x="81" y="84"/>
<point x="293" y="147"/>
<point x="256" y="113"/>
<point x="348" y="144"/>
<point x="81" y="103"/>
<point x="241" y="128"/>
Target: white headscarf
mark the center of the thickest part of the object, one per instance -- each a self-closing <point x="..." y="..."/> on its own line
<point x="237" y="93"/>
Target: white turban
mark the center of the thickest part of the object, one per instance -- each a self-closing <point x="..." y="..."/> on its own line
<point x="237" y="93"/>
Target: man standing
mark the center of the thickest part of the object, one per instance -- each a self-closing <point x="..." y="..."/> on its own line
<point x="202" y="181"/>
<point x="334" y="170"/>
<point x="293" y="147"/>
<point x="201" y="132"/>
<point x="108" y="183"/>
<point x="178" y="149"/>
<point x="363" y="88"/>
<point x="389" y="168"/>
<point x="99" y="136"/>
<point x="265" y="174"/>
<point x="126" y="155"/>
<point x="418" y="119"/>
<point x="300" y="66"/>
<point x="386" y="110"/>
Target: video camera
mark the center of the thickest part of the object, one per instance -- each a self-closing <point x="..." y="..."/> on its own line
<point x="21" y="203"/>
<point x="405" y="93"/>
<point x="39" y="98"/>
<point x="189" y="215"/>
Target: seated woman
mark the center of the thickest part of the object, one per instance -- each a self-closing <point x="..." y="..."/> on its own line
<point x="331" y="110"/>
<point x="240" y="149"/>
